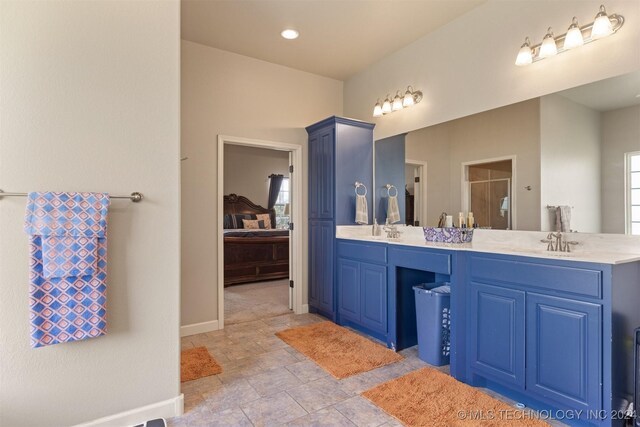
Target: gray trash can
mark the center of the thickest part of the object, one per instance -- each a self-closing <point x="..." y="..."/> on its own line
<point x="433" y="316"/>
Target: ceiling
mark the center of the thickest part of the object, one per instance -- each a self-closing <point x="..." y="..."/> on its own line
<point x="609" y="94"/>
<point x="338" y="38"/>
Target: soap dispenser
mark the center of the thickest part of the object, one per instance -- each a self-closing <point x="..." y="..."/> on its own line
<point x="375" y="230"/>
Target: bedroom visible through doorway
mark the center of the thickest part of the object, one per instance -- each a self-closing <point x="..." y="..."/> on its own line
<point x="257" y="260"/>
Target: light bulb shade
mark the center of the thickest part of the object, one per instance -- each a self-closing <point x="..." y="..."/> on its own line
<point x="548" y="47"/>
<point x="602" y="25"/>
<point x="573" y="38"/>
<point x="377" y="110"/>
<point x="386" y="106"/>
<point x="525" y="56"/>
<point x="397" y="103"/>
<point x="407" y="100"/>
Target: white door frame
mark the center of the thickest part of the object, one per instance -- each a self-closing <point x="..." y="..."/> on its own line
<point x="296" y="212"/>
<point x="513" y="193"/>
<point x="422" y="173"/>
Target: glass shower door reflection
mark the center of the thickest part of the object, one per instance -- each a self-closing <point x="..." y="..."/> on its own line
<point x="491" y="203"/>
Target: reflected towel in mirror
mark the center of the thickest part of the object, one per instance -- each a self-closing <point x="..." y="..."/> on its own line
<point x="393" y="211"/>
<point x="563" y="218"/>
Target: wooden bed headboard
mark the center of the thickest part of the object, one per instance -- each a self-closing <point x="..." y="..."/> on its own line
<point x="234" y="204"/>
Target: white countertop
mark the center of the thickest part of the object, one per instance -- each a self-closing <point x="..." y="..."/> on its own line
<point x="596" y="248"/>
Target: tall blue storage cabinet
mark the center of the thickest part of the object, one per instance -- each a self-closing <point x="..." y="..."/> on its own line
<point x="340" y="153"/>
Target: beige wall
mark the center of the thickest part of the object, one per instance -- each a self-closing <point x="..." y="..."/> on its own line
<point x="467" y="66"/>
<point x="620" y="134"/>
<point x="432" y="145"/>
<point x="570" y="163"/>
<point x="90" y="102"/>
<point x="507" y="131"/>
<point x="246" y="171"/>
<point x="229" y="94"/>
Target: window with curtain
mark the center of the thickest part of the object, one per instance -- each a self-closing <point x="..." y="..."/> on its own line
<point x="281" y="206"/>
<point x="632" y="198"/>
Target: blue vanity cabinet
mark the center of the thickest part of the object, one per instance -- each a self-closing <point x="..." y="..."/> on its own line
<point x="550" y="333"/>
<point x="348" y="284"/>
<point x="362" y="286"/>
<point x="321" y="172"/>
<point x="340" y="153"/>
<point x="321" y="261"/>
<point x="373" y="290"/>
<point x="564" y="344"/>
<point x="497" y="341"/>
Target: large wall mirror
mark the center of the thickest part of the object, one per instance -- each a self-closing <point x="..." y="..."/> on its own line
<point x="513" y="166"/>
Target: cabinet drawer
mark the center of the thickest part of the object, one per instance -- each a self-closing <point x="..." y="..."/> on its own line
<point x="421" y="259"/>
<point x="578" y="281"/>
<point x="362" y="252"/>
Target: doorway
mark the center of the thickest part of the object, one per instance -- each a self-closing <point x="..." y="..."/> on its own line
<point x="245" y="296"/>
<point x="416" y="192"/>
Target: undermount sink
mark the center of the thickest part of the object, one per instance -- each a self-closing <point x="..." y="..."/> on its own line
<point x="378" y="237"/>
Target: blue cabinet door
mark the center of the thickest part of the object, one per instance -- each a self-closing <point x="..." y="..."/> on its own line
<point x="348" y="289"/>
<point x="321" y="173"/>
<point x="373" y="297"/>
<point x="497" y="341"/>
<point x="563" y="351"/>
<point x="321" y="267"/>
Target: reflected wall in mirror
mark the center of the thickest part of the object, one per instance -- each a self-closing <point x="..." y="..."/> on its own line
<point x="571" y="149"/>
<point x="389" y="172"/>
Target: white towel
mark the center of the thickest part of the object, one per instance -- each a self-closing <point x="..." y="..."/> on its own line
<point x="563" y="218"/>
<point x="362" y="213"/>
<point x="393" y="211"/>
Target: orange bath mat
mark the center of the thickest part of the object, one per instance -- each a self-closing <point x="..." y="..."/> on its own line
<point x="338" y="350"/>
<point x="197" y="363"/>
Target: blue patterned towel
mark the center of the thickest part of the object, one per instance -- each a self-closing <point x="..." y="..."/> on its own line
<point x="68" y="266"/>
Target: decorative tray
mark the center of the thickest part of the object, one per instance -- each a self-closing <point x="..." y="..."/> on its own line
<point x="448" y="234"/>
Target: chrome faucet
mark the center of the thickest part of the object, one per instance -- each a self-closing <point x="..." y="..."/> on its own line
<point x="560" y="245"/>
<point x="549" y="242"/>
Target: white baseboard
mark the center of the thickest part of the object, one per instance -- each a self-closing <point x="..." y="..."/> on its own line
<point x="166" y="409"/>
<point x="199" y="328"/>
<point x="305" y="308"/>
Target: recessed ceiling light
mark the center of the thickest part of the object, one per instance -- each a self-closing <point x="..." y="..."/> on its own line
<point x="289" y="34"/>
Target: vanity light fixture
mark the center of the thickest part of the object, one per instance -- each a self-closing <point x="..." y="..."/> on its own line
<point x="548" y="47"/>
<point x="574" y="35"/>
<point x="386" y="105"/>
<point x="398" y="102"/>
<point x="603" y="25"/>
<point x="525" y="55"/>
<point x="377" y="110"/>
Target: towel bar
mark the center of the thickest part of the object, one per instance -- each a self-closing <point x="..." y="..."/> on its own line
<point x="134" y="197"/>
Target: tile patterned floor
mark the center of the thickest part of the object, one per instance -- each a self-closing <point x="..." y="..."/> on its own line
<point x="265" y="382"/>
